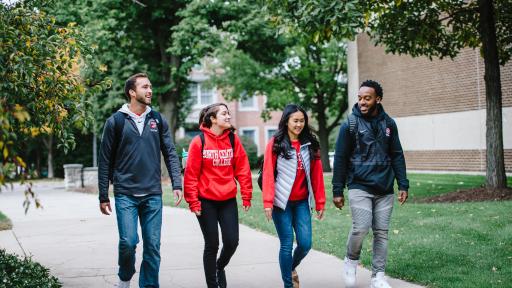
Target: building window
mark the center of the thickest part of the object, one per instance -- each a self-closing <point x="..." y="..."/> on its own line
<point x="251" y="133"/>
<point x="270" y="131"/>
<point x="248" y="104"/>
<point x="201" y="95"/>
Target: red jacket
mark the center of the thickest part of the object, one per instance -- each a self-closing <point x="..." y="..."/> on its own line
<point x="268" y="184"/>
<point x="212" y="175"/>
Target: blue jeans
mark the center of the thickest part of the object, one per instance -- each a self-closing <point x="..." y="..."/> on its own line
<point x="149" y="209"/>
<point x="296" y="217"/>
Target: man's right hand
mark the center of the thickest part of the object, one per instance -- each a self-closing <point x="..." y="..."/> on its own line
<point x="105" y="208"/>
<point x="197" y="212"/>
<point x="339" y="201"/>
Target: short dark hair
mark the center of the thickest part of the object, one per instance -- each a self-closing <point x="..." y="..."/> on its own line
<point x="375" y="85"/>
<point x="130" y="83"/>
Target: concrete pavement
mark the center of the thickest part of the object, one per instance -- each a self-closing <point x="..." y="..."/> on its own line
<point x="79" y="245"/>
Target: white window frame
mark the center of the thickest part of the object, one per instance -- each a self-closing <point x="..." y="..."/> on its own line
<point x="267" y="128"/>
<point x="200" y="105"/>
<point x="254" y="107"/>
<point x="256" y="130"/>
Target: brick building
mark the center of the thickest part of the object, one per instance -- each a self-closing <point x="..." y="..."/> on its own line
<point x="245" y="115"/>
<point x="439" y="105"/>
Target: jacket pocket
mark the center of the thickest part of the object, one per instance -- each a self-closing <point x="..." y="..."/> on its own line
<point x="219" y="187"/>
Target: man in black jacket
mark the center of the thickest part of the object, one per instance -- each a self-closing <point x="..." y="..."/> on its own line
<point x="368" y="158"/>
<point x="130" y="157"/>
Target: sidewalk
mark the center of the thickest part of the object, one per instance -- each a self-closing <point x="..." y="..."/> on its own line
<point x="79" y="245"/>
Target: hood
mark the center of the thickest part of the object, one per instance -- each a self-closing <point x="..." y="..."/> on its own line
<point x="126" y="110"/>
<point x="210" y="133"/>
<point x="380" y="112"/>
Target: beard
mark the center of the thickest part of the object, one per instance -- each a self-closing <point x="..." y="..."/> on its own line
<point x="142" y="100"/>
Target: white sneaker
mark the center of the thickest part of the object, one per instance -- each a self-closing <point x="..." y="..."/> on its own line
<point x="123" y="284"/>
<point x="379" y="281"/>
<point x="349" y="272"/>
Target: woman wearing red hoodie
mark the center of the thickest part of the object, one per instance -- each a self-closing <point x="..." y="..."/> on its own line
<point x="210" y="188"/>
<point x="292" y="177"/>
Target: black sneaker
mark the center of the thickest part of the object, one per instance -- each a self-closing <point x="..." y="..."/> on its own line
<point x="221" y="279"/>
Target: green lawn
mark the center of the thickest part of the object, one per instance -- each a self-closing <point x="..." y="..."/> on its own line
<point x="5" y="223"/>
<point x="438" y="245"/>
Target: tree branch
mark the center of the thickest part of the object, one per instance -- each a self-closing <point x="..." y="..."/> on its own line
<point x="140" y="3"/>
<point x="335" y="122"/>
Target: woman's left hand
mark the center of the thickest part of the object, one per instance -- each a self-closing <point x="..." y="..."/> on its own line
<point x="320" y="214"/>
<point x="246" y="208"/>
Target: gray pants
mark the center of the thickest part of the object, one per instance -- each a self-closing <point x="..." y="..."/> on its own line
<point x="373" y="211"/>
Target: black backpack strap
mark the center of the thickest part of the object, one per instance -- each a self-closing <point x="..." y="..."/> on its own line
<point x="119" y="119"/>
<point x="352" y="122"/>
<point x="158" y="118"/>
<point x="352" y="126"/>
<point x="232" y="141"/>
<point x="201" y="136"/>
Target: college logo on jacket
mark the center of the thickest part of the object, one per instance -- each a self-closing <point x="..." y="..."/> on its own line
<point x="153" y="125"/>
<point x="219" y="157"/>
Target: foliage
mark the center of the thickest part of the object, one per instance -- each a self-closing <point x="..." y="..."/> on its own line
<point x="17" y="272"/>
<point x="251" y="55"/>
<point x="132" y="37"/>
<point x="251" y="150"/>
<point x="317" y="20"/>
<point x="5" y="223"/>
<point x="43" y="92"/>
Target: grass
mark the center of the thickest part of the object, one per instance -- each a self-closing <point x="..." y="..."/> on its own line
<point x="426" y="185"/>
<point x="5" y="223"/>
<point x="437" y="245"/>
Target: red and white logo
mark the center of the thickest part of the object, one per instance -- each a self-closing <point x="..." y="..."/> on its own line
<point x="152" y="124"/>
<point x="388" y="132"/>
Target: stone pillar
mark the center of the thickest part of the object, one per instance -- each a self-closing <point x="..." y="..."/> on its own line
<point x="90" y="176"/>
<point x="73" y="176"/>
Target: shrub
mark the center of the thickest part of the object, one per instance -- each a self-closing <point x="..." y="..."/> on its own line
<point x="21" y="273"/>
<point x="252" y="151"/>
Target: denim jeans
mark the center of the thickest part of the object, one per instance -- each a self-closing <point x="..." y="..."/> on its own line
<point x="149" y="210"/>
<point x="369" y="210"/>
<point x="296" y="217"/>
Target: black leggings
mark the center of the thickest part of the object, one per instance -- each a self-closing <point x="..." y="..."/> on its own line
<point x="224" y="213"/>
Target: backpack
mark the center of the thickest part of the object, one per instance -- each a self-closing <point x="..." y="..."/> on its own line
<point x="260" y="174"/>
<point x="231" y="136"/>
<point x="119" y="119"/>
<point x="352" y="126"/>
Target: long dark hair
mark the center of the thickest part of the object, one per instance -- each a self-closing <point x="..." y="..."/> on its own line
<point x="211" y="111"/>
<point x="282" y="144"/>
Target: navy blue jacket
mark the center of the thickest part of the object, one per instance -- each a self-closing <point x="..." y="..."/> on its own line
<point x="137" y="167"/>
<point x="374" y="164"/>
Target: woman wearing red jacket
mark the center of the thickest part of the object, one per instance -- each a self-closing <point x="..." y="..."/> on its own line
<point x="210" y="188"/>
<point x="292" y="177"/>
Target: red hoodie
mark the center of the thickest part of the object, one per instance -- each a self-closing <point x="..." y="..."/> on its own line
<point x="212" y="175"/>
<point x="268" y="185"/>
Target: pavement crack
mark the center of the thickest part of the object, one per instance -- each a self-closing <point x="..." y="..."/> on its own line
<point x="19" y="243"/>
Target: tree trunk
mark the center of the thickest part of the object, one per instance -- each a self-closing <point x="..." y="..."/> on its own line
<point x="323" y="134"/>
<point x="94" y="150"/>
<point x="496" y="177"/>
<point x="48" y="143"/>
